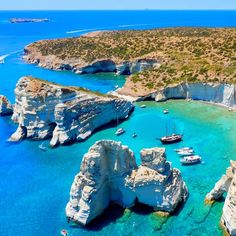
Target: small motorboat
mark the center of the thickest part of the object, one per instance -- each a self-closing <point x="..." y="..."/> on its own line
<point x="143" y="106"/>
<point x="190" y="160"/>
<point x="165" y="111"/>
<point x="184" y="149"/>
<point x="42" y="147"/>
<point x="174" y="138"/>
<point x="120" y="131"/>
<point x="134" y="135"/>
<point x="116" y="86"/>
<point x="64" y="232"/>
<point x="186" y="152"/>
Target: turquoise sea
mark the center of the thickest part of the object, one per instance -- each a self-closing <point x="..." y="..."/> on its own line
<point x="35" y="185"/>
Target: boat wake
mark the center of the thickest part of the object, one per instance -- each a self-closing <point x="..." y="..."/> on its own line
<point x="83" y="30"/>
<point x="3" y="57"/>
<point x="124" y="26"/>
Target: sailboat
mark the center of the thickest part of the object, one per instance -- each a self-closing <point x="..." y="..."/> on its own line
<point x="120" y="130"/>
<point x="173" y="138"/>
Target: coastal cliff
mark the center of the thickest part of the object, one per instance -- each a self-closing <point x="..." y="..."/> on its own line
<point x="223" y="94"/>
<point x="80" y="66"/>
<point x="194" y="63"/>
<point x="227" y="183"/>
<point x="6" y="108"/>
<point x="64" y="114"/>
<point x="109" y="174"/>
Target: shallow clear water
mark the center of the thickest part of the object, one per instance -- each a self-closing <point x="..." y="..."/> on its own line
<point x="35" y="185"/>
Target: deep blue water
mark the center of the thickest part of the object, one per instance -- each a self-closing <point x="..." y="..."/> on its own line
<point x="35" y="185"/>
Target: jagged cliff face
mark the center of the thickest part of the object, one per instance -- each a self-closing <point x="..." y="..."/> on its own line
<point x="227" y="183"/>
<point x="45" y="110"/>
<point x="79" y="66"/>
<point x="109" y="173"/>
<point x="224" y="94"/>
<point x="6" y="108"/>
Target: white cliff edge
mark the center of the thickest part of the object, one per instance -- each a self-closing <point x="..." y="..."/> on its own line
<point x="64" y="114"/>
<point x="109" y="174"/>
<point x="6" y="109"/>
<point x="227" y="183"/>
<point x="221" y="94"/>
<point x="78" y="66"/>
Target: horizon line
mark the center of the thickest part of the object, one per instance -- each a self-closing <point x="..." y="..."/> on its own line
<point x="184" y="9"/>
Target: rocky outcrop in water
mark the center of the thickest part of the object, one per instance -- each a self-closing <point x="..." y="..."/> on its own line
<point x="28" y="20"/>
<point x="64" y="114"/>
<point x="224" y="94"/>
<point x="227" y="183"/>
<point x="109" y="174"/>
<point x="6" y="108"/>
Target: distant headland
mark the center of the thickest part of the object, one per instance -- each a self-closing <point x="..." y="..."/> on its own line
<point x="161" y="63"/>
<point x="28" y="20"/>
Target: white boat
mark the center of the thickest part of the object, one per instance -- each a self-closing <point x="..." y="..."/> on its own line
<point x="184" y="149"/>
<point x="116" y="86"/>
<point x="134" y="135"/>
<point x="143" y="106"/>
<point x="64" y="232"/>
<point x="190" y="160"/>
<point x="120" y="131"/>
<point x="165" y="111"/>
<point x="186" y="152"/>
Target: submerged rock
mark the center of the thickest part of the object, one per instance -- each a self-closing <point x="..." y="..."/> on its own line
<point x="64" y="114"/>
<point x="227" y="183"/>
<point x="6" y="108"/>
<point x="109" y="173"/>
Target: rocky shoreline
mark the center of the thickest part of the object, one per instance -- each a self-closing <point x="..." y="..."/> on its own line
<point x="46" y="110"/>
<point x="156" y="73"/>
<point x="227" y="183"/>
<point x="109" y="174"/>
<point x="213" y="93"/>
<point x="52" y="62"/>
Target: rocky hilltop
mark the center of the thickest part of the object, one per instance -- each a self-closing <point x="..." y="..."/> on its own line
<point x="109" y="174"/>
<point x="227" y="183"/>
<point x="64" y="114"/>
<point x="156" y="59"/>
<point x="6" y="108"/>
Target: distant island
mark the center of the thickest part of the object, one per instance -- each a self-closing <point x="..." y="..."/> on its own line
<point x="28" y="20"/>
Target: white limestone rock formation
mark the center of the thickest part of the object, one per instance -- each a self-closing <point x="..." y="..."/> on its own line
<point x="222" y="94"/>
<point x="155" y="183"/>
<point x="227" y="183"/>
<point x="6" y="108"/>
<point x="64" y="114"/>
<point x="109" y="174"/>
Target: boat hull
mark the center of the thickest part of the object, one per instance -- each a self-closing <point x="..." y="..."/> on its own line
<point x="191" y="163"/>
<point x="171" y="141"/>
